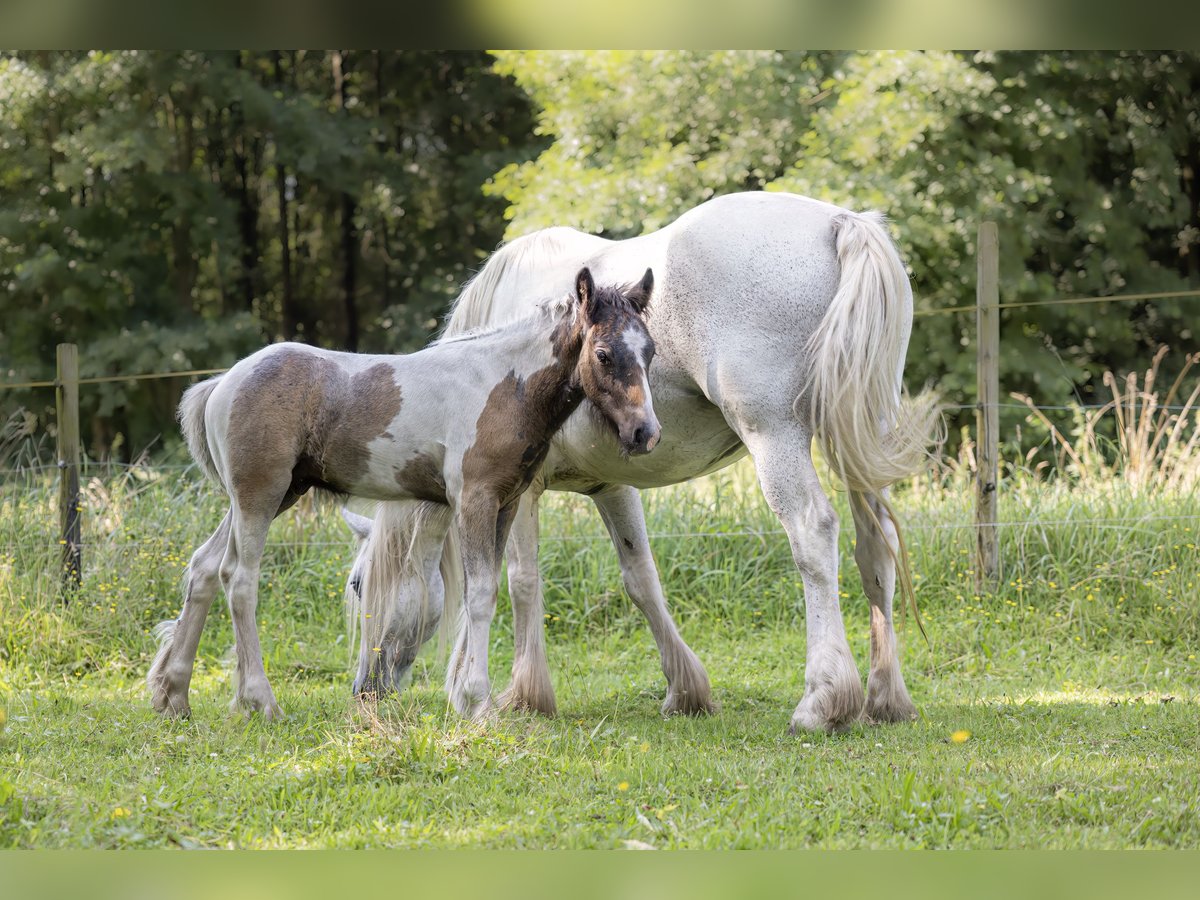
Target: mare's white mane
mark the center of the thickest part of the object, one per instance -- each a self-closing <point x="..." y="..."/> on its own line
<point x="517" y="263"/>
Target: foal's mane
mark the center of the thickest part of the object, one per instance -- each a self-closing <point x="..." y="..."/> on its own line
<point x="545" y="313"/>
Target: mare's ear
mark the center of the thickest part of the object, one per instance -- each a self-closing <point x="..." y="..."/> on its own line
<point x="585" y="293"/>
<point x="360" y="525"/>
<point x="639" y="294"/>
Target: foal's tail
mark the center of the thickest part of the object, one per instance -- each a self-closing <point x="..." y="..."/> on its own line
<point x="871" y="435"/>
<point x="191" y="420"/>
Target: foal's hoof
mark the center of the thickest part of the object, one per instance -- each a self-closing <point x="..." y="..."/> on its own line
<point x="689" y="703"/>
<point x="269" y="710"/>
<point x="171" y="705"/>
<point x="173" y="709"/>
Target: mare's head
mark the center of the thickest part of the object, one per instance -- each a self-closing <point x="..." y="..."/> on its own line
<point x="614" y="362"/>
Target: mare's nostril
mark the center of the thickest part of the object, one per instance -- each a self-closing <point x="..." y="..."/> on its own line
<point x="639" y="436"/>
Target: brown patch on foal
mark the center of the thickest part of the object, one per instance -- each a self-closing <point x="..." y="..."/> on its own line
<point x="512" y="433"/>
<point x="422" y="478"/>
<point x="303" y="412"/>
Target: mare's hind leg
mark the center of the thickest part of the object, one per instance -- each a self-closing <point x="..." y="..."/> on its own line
<point x="170" y="674"/>
<point x="239" y="576"/>
<point x="530" y="687"/>
<point x="833" y="694"/>
<point x="688" y="690"/>
<point x="875" y="552"/>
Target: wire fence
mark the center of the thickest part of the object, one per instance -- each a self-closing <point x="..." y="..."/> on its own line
<point x="945" y="310"/>
<point x="1119" y="523"/>
<point x="116" y="544"/>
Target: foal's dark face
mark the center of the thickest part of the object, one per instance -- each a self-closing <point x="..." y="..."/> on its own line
<point x="614" y="364"/>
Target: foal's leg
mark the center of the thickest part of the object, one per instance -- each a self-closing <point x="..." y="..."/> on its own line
<point x="875" y="552"/>
<point x="483" y="529"/>
<point x="688" y="690"/>
<point x="171" y="672"/>
<point x="531" y="687"/>
<point x="833" y="694"/>
<point x="239" y="576"/>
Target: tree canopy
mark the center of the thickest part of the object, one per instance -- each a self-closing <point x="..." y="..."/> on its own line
<point x="176" y="210"/>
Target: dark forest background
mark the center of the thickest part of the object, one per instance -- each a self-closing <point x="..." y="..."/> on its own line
<point x="170" y="211"/>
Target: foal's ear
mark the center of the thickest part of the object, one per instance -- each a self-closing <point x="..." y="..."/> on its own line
<point x="360" y="525"/>
<point x="639" y="294"/>
<point x="585" y="292"/>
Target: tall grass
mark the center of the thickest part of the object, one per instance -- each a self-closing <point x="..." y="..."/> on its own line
<point x="1098" y="547"/>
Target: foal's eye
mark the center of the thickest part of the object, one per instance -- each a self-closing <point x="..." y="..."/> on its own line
<point x="602" y="355"/>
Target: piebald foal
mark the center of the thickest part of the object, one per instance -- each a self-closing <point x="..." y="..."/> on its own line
<point x="462" y="427"/>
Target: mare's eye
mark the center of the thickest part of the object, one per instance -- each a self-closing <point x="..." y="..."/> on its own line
<point x="602" y="355"/>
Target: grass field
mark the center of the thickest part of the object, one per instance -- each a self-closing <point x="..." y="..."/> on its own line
<point x="1059" y="710"/>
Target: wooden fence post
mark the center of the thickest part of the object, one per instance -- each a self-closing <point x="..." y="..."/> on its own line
<point x="987" y="413"/>
<point x="67" y="410"/>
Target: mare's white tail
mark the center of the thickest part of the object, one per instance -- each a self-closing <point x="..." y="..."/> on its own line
<point x="870" y="436"/>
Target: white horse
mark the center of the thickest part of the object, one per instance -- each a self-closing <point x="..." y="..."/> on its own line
<point x="461" y="427"/>
<point x="778" y="320"/>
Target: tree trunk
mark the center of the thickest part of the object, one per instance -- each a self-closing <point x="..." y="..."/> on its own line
<point x="349" y="235"/>
<point x="386" y="294"/>
<point x="243" y="153"/>
<point x="185" y="266"/>
<point x="287" y="301"/>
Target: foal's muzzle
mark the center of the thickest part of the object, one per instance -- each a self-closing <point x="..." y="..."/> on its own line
<point x="641" y="437"/>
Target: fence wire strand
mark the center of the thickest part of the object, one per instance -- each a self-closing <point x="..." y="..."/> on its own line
<point x="1020" y="304"/>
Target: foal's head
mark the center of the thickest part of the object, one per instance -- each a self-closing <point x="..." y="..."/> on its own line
<point x="614" y="362"/>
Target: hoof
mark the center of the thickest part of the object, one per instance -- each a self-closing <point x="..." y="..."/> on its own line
<point x="833" y="696"/>
<point x="530" y="690"/>
<point x="173" y="709"/>
<point x="885" y="709"/>
<point x="482" y="711"/>
<point x="684" y="703"/>
<point x="511" y="700"/>
<point x="171" y="704"/>
<point x="246" y="707"/>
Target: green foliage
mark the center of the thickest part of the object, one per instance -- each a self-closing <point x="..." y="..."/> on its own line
<point x="1087" y="161"/>
<point x="194" y="205"/>
<point x="175" y="210"/>
<point x="640" y="137"/>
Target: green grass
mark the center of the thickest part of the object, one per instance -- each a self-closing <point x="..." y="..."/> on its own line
<point x="1076" y="678"/>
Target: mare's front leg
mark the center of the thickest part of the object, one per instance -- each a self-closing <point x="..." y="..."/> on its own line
<point x="483" y="527"/>
<point x="688" y="690"/>
<point x="530" y="687"/>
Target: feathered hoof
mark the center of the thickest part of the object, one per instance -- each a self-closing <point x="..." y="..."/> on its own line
<point x="529" y="691"/>
<point x="263" y="704"/>
<point x="888" y="703"/>
<point x="171" y="706"/>
<point x="689" y="703"/>
<point x="833" y="697"/>
<point x="512" y="700"/>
